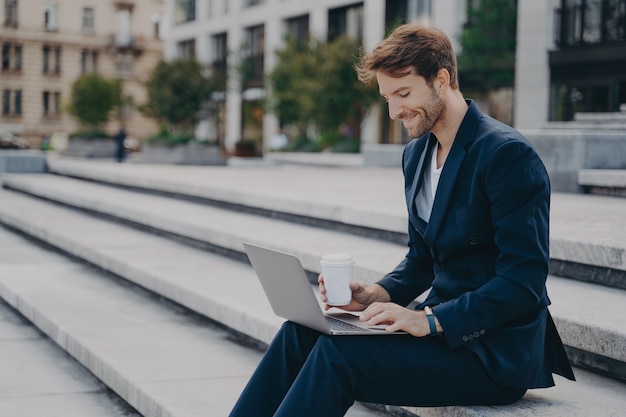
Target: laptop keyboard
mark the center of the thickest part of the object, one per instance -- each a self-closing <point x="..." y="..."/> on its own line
<point x="340" y="325"/>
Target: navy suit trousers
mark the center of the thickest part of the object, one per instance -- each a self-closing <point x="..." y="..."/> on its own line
<point x="305" y="373"/>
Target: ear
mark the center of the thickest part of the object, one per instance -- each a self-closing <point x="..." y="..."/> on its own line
<point x="442" y="79"/>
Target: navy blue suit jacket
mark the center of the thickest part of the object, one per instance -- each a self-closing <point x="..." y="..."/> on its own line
<point x="484" y="251"/>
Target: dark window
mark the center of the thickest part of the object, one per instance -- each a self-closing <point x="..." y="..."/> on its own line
<point x="46" y="59"/>
<point x="6" y="102"/>
<point x="346" y="21"/>
<point x="254" y="60"/>
<point x="581" y="22"/>
<point x="219" y="64"/>
<point x="398" y="12"/>
<point x="298" y="29"/>
<point x="17" y="101"/>
<point x="6" y="56"/>
<point x="46" y="102"/>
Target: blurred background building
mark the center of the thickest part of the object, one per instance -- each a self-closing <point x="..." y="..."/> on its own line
<point x="47" y="44"/>
<point x="214" y="30"/>
<point x="571" y="58"/>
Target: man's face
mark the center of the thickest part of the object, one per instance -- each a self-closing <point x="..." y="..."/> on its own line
<point x="411" y="100"/>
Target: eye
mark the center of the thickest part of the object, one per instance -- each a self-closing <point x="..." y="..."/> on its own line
<point x="404" y="95"/>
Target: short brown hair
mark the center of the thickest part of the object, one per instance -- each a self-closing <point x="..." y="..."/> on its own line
<point x="410" y="48"/>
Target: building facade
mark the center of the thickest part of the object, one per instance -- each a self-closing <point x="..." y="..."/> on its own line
<point x="571" y="57"/>
<point x="216" y="31"/>
<point x="47" y="44"/>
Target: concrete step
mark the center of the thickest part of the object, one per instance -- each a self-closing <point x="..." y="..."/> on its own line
<point x="162" y="359"/>
<point x="610" y="182"/>
<point x="165" y="360"/>
<point x="597" y="335"/>
<point x="586" y="244"/>
<point x="40" y="379"/>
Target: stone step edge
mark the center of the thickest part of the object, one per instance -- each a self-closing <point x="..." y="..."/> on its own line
<point x="531" y="405"/>
<point x="110" y="376"/>
<point x="587" y="270"/>
<point x="240" y="322"/>
<point x="385" y="227"/>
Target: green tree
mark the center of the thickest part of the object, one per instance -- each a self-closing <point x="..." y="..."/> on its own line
<point x="316" y="85"/>
<point x="292" y="81"/>
<point x="93" y="98"/>
<point x="341" y="100"/>
<point x="487" y="59"/>
<point x="179" y="93"/>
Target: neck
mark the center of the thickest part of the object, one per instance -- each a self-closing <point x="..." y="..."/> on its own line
<point x="448" y="126"/>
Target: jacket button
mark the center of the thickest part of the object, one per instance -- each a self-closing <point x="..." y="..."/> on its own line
<point x="482" y="331"/>
<point x="473" y="241"/>
<point x="465" y="338"/>
<point x="476" y="334"/>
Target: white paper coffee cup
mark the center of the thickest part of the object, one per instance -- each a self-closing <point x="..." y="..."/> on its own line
<point x="337" y="269"/>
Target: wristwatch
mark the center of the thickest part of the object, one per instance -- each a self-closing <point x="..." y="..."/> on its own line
<point x="431" y="320"/>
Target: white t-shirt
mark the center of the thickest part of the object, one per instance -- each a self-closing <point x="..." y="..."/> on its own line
<point x="426" y="195"/>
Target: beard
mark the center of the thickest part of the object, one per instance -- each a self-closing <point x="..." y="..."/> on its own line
<point x="431" y="113"/>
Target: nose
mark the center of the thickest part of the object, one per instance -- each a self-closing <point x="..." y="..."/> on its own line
<point x="395" y="110"/>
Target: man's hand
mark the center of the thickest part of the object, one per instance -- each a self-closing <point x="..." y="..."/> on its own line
<point x="397" y="318"/>
<point x="362" y="296"/>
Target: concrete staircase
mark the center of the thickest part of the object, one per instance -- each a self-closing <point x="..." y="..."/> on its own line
<point x="157" y="301"/>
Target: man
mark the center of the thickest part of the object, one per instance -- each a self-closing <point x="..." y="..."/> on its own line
<point x="478" y="201"/>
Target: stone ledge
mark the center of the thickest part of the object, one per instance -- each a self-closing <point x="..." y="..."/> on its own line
<point x="22" y="161"/>
<point x="610" y="182"/>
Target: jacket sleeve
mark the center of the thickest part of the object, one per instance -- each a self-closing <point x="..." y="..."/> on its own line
<point x="517" y="188"/>
<point x="413" y="275"/>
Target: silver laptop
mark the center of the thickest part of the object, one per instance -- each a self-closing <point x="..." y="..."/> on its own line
<point x="292" y="297"/>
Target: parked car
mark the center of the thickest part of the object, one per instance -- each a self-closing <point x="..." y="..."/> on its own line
<point x="9" y="141"/>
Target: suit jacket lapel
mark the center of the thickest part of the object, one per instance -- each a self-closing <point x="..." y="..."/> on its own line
<point x="450" y="172"/>
<point x="426" y="153"/>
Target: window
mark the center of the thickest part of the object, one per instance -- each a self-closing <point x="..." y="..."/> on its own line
<point x="124" y="64"/>
<point x="254" y="60"/>
<point x="220" y="47"/>
<point x="298" y="29"/>
<point x="17" y="57"/>
<point x="11" y="107"/>
<point x="46" y="103"/>
<point x="10" y="12"/>
<point x="581" y="22"/>
<point x="51" y="103"/>
<point x="248" y="3"/>
<point x="88" y="20"/>
<point x="123" y="37"/>
<point x="187" y="49"/>
<point x="17" y="101"/>
<point x="185" y="11"/>
<point x="11" y="57"/>
<point x="405" y="11"/>
<point x="88" y="61"/>
<point x="51" y="59"/>
<point x="6" y="57"/>
<point x="50" y="17"/>
<point x="57" y="103"/>
<point x="346" y="21"/>
<point x="6" y="102"/>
